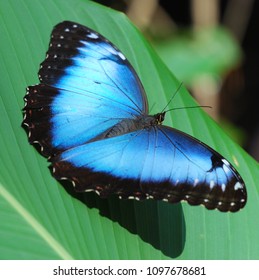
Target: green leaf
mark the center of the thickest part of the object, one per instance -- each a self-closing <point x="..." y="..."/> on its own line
<point x="205" y="51"/>
<point x="41" y="220"/>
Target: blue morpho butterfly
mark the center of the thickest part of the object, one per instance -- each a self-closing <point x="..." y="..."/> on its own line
<point x="89" y="114"/>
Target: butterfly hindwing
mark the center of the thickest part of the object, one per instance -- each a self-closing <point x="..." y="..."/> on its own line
<point x="157" y="162"/>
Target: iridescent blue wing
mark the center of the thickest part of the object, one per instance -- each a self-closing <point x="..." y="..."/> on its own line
<point x="87" y="86"/>
<point x="157" y="162"/>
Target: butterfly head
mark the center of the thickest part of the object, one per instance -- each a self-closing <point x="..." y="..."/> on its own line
<point x="159" y="118"/>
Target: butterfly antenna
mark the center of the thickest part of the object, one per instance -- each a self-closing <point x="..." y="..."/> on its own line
<point x="188" y="107"/>
<point x="172" y="97"/>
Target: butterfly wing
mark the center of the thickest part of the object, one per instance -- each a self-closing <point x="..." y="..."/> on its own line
<point x="87" y="86"/>
<point x="157" y="162"/>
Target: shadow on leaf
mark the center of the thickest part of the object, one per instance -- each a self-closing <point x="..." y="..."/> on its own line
<point x="158" y="223"/>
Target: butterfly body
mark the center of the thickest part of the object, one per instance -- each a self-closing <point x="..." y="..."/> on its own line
<point x="131" y="125"/>
<point x="90" y="116"/>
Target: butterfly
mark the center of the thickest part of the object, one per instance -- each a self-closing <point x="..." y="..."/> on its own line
<point x="89" y="114"/>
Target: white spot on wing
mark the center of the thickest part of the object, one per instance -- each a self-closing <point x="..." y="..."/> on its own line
<point x="238" y="186"/>
<point x="223" y="187"/>
<point x="92" y="35"/>
<point x="225" y="162"/>
<point x="121" y="56"/>
<point x="196" y="181"/>
<point x="97" y="192"/>
<point x="90" y="190"/>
